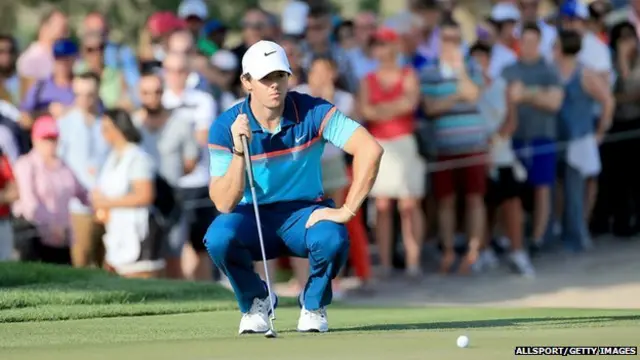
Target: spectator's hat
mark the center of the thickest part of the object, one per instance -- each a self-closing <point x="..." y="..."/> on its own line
<point x="294" y="18"/>
<point x="45" y="127"/>
<point x="503" y="12"/>
<point x="162" y="23"/>
<point x="193" y="9"/>
<point x="385" y="35"/>
<point x="64" y="48"/>
<point x="263" y="58"/>
<point x="224" y="60"/>
<point x="212" y="26"/>
<point x="574" y="9"/>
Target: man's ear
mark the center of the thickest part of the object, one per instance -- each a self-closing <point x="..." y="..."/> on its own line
<point x="246" y="82"/>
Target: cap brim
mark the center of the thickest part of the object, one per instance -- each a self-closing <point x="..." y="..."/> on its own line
<point x="262" y="73"/>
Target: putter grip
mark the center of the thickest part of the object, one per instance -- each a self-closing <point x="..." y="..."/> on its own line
<point x="247" y="159"/>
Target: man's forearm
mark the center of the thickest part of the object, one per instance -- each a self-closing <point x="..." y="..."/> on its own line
<point x="545" y="100"/>
<point x="366" y="163"/>
<point x="226" y="191"/>
<point x="435" y="107"/>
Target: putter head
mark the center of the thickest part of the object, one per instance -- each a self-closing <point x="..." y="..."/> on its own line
<point x="270" y="334"/>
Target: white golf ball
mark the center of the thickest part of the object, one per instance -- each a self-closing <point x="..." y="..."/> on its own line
<point x="462" y="341"/>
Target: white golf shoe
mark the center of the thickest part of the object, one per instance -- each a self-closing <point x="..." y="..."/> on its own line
<point x="313" y="320"/>
<point x="256" y="321"/>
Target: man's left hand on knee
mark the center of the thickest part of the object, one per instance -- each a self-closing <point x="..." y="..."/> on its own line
<point x="340" y="216"/>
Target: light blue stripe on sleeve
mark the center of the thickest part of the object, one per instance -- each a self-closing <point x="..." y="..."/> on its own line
<point x="219" y="161"/>
<point x="339" y="129"/>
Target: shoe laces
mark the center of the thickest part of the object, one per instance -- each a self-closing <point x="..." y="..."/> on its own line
<point x="259" y="306"/>
<point x="317" y="314"/>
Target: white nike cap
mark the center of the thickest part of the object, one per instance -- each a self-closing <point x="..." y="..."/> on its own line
<point x="263" y="58"/>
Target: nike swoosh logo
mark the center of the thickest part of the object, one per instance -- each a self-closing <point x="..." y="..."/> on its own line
<point x="299" y="139"/>
<point x="269" y="53"/>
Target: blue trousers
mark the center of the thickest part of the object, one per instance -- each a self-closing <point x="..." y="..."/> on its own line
<point x="233" y="244"/>
<point x="574" y="225"/>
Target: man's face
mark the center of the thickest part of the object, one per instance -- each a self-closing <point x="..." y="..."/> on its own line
<point x="194" y="24"/>
<point x="86" y="93"/>
<point x="318" y="29"/>
<point x="7" y="57"/>
<point x="254" y="26"/>
<point x="94" y="25"/>
<point x="451" y="40"/>
<point x="528" y="10"/>
<point x="151" y="94"/>
<point x="93" y="50"/>
<point x="364" y="28"/>
<point x="482" y="58"/>
<point x="271" y="90"/>
<point x="181" y="42"/>
<point x="530" y="44"/>
<point x="573" y="23"/>
<point x="430" y="18"/>
<point x="176" y="73"/>
<point x="64" y="65"/>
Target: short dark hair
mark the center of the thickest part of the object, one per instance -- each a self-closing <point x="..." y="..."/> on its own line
<point x="319" y="10"/>
<point x="425" y="5"/>
<point x="323" y="58"/>
<point x="533" y="27"/>
<point x="570" y="42"/>
<point x="480" y="46"/>
<point x="10" y="39"/>
<point x="88" y="75"/>
<point x="449" y="22"/>
<point x="122" y="121"/>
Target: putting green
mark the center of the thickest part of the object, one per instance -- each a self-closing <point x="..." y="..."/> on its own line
<point x="357" y="333"/>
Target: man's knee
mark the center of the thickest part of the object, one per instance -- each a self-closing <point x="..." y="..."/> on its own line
<point x="327" y="240"/>
<point x="218" y="240"/>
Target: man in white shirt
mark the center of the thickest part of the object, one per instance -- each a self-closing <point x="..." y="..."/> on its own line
<point x="199" y="108"/>
<point x="504" y="16"/>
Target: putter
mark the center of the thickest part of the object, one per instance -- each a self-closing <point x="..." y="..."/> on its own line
<point x="271" y="333"/>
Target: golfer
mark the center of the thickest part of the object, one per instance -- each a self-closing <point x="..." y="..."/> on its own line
<point x="286" y="133"/>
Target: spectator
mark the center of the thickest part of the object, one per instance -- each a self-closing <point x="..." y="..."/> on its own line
<point x="318" y="43"/>
<point x="362" y="60"/>
<point x="530" y="14"/>
<point x="9" y="79"/>
<point x="53" y="95"/>
<point x="345" y="35"/>
<point x="598" y="11"/>
<point x="460" y="133"/>
<point x="294" y="18"/>
<point x="504" y="16"/>
<point x="620" y="199"/>
<point x="254" y="25"/>
<point x="84" y="150"/>
<point x="199" y="109"/>
<point x="428" y="16"/>
<point x="212" y="37"/>
<point x="123" y="199"/>
<point x="193" y="13"/>
<point x="534" y="98"/>
<point x="388" y="99"/>
<point x="113" y="87"/>
<point x="225" y="65"/>
<point x="583" y="88"/>
<point x="9" y="139"/>
<point x="8" y="194"/>
<point x="170" y="142"/>
<point x="37" y="61"/>
<point x="46" y="187"/>
<point x="293" y="48"/>
<point x="182" y="42"/>
<point x="153" y="42"/>
<point x="323" y="75"/>
<point x="116" y="55"/>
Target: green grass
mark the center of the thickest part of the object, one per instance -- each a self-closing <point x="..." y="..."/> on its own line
<point x="35" y="292"/>
<point x="102" y="317"/>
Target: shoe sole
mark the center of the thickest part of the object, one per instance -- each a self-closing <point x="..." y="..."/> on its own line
<point x="312" y="331"/>
<point x="252" y="332"/>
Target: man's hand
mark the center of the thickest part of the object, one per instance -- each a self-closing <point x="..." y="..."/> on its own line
<point x="339" y="216"/>
<point x="516" y="92"/>
<point x="98" y="200"/>
<point x="240" y="128"/>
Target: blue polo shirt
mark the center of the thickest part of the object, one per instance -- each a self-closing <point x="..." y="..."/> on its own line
<point x="286" y="162"/>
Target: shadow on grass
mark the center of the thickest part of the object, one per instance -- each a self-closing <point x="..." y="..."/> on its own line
<point x="495" y="323"/>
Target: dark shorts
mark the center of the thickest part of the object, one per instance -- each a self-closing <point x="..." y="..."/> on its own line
<point x="472" y="178"/>
<point x="199" y="211"/>
<point x="539" y="156"/>
<point x="503" y="187"/>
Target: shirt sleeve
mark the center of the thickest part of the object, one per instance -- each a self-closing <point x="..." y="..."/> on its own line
<point x="5" y="169"/>
<point x="220" y="149"/>
<point x="142" y="167"/>
<point x="339" y="128"/>
<point x="205" y="113"/>
<point x="28" y="205"/>
<point x="28" y="103"/>
<point x="190" y="148"/>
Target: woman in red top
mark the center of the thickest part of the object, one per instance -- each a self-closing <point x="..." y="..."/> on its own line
<point x="388" y="100"/>
<point x="8" y="194"/>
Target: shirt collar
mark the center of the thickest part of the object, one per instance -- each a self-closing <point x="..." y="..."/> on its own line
<point x="39" y="161"/>
<point x="290" y="115"/>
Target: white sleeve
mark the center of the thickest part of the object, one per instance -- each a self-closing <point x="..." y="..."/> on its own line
<point x="206" y="111"/>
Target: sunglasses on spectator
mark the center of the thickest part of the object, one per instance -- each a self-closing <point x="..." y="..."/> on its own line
<point x="92" y="49"/>
<point x="451" y="39"/>
<point x="152" y="92"/>
<point x="253" y="25"/>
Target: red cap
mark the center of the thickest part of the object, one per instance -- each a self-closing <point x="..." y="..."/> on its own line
<point x="164" y="22"/>
<point x="45" y="127"/>
<point x="385" y="34"/>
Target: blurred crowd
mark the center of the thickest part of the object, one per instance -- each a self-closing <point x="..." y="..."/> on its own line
<point x="515" y="138"/>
